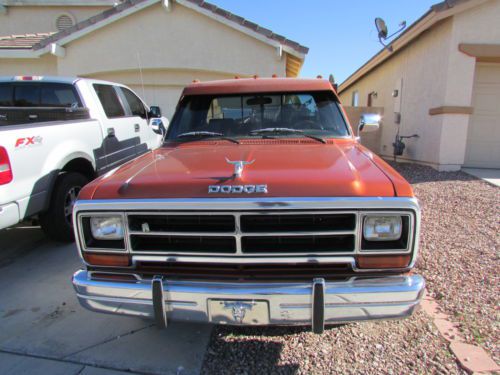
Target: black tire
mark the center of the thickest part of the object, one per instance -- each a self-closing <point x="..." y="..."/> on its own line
<point x="56" y="221"/>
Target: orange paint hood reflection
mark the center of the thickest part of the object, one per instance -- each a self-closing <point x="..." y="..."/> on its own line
<point x="288" y="168"/>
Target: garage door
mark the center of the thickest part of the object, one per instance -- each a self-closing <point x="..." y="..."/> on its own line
<point x="483" y="138"/>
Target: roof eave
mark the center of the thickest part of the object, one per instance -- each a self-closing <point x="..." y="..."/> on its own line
<point x="428" y="20"/>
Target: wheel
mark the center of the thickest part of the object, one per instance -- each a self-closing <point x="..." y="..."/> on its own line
<point x="57" y="222"/>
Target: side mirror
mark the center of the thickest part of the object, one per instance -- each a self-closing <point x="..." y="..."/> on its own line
<point x="157" y="126"/>
<point x="369" y="122"/>
<point x="154" y="111"/>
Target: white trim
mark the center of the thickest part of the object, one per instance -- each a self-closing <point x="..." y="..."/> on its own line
<point x="279" y="52"/>
<point x="57" y="50"/>
<point x="167" y="5"/>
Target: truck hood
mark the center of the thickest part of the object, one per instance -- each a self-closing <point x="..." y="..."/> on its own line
<point x="300" y="169"/>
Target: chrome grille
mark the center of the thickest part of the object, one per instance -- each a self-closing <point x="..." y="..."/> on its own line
<point x="243" y="233"/>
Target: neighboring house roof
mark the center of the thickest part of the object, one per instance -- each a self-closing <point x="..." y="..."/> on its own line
<point x="436" y="13"/>
<point x="22" y="41"/>
<point x="131" y="6"/>
<point x="58" y="2"/>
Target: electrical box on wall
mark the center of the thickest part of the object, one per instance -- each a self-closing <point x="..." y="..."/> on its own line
<point x="397" y="117"/>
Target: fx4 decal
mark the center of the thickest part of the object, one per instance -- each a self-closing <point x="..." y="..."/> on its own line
<point x="28" y="142"/>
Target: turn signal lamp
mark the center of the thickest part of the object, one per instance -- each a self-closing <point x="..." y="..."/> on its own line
<point x="383" y="261"/>
<point x="110" y="260"/>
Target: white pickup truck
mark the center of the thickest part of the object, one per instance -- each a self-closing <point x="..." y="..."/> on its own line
<point x="57" y="134"/>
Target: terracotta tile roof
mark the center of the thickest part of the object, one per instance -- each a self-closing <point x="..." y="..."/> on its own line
<point x="22" y="41"/>
<point x="202" y="4"/>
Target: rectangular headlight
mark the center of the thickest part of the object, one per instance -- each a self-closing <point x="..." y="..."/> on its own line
<point x="107" y="227"/>
<point x="382" y="228"/>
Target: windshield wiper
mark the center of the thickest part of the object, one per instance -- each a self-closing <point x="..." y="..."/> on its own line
<point x="285" y="131"/>
<point x="205" y="134"/>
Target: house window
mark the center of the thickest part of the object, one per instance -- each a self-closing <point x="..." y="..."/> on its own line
<point x="355" y="99"/>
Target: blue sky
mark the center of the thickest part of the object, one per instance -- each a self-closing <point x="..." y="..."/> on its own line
<point x="341" y="35"/>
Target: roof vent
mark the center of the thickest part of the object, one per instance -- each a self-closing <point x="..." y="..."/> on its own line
<point x="64" y="21"/>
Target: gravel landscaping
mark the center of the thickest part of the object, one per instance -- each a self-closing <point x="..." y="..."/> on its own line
<point x="459" y="259"/>
<point x="389" y="347"/>
<point x="459" y="249"/>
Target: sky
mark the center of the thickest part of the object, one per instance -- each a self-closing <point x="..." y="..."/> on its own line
<point x="341" y="35"/>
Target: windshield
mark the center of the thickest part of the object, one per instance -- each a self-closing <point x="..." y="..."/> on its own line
<point x="261" y="115"/>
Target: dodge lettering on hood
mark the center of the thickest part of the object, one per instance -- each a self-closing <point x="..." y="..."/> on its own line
<point x="261" y="208"/>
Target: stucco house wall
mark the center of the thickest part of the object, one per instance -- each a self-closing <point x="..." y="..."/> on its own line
<point x="418" y="73"/>
<point x="189" y="46"/>
<point x="431" y="73"/>
<point x="154" y="49"/>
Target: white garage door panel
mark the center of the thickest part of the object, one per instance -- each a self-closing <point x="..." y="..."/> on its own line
<point x="483" y="138"/>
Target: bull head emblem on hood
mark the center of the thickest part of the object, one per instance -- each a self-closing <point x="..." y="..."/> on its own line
<point x="238" y="166"/>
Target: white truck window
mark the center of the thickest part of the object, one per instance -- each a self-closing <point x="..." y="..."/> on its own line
<point x="59" y="95"/>
<point x="135" y="104"/>
<point x="5" y="95"/>
<point x="26" y="95"/>
<point x="109" y="101"/>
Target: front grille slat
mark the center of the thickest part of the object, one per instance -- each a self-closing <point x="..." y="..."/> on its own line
<point x="298" y="244"/>
<point x="195" y="271"/>
<point x="246" y="233"/>
<point x="183" y="244"/>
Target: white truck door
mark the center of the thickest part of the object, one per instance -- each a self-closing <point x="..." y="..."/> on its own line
<point x="137" y="109"/>
<point x="121" y="136"/>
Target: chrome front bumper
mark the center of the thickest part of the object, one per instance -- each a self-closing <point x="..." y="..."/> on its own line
<point x="314" y="303"/>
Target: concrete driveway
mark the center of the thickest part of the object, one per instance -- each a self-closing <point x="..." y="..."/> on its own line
<point x="489" y="175"/>
<point x="43" y="329"/>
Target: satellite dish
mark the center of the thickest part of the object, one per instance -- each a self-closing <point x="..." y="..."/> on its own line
<point x="381" y="28"/>
<point x="382" y="32"/>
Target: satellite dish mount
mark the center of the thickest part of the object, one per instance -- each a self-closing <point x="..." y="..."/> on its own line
<point x="383" y="32"/>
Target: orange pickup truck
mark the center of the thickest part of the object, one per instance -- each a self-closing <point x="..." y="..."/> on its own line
<point x="261" y="208"/>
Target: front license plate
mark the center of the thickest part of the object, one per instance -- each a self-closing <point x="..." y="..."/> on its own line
<point x="245" y="312"/>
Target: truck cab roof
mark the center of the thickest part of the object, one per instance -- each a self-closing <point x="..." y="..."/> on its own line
<point x="257" y="85"/>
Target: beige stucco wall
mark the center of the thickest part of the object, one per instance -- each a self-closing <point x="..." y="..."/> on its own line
<point x="37" y="19"/>
<point x="419" y="73"/>
<point x="45" y="65"/>
<point x="161" y="87"/>
<point x="433" y="73"/>
<point x="181" y="38"/>
<point x="171" y="48"/>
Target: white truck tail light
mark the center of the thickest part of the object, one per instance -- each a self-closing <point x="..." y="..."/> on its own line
<point x="5" y="169"/>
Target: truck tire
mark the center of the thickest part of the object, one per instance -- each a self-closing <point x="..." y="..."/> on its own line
<point x="56" y="221"/>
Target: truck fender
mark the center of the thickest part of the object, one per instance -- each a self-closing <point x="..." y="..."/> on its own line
<point x="58" y="158"/>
